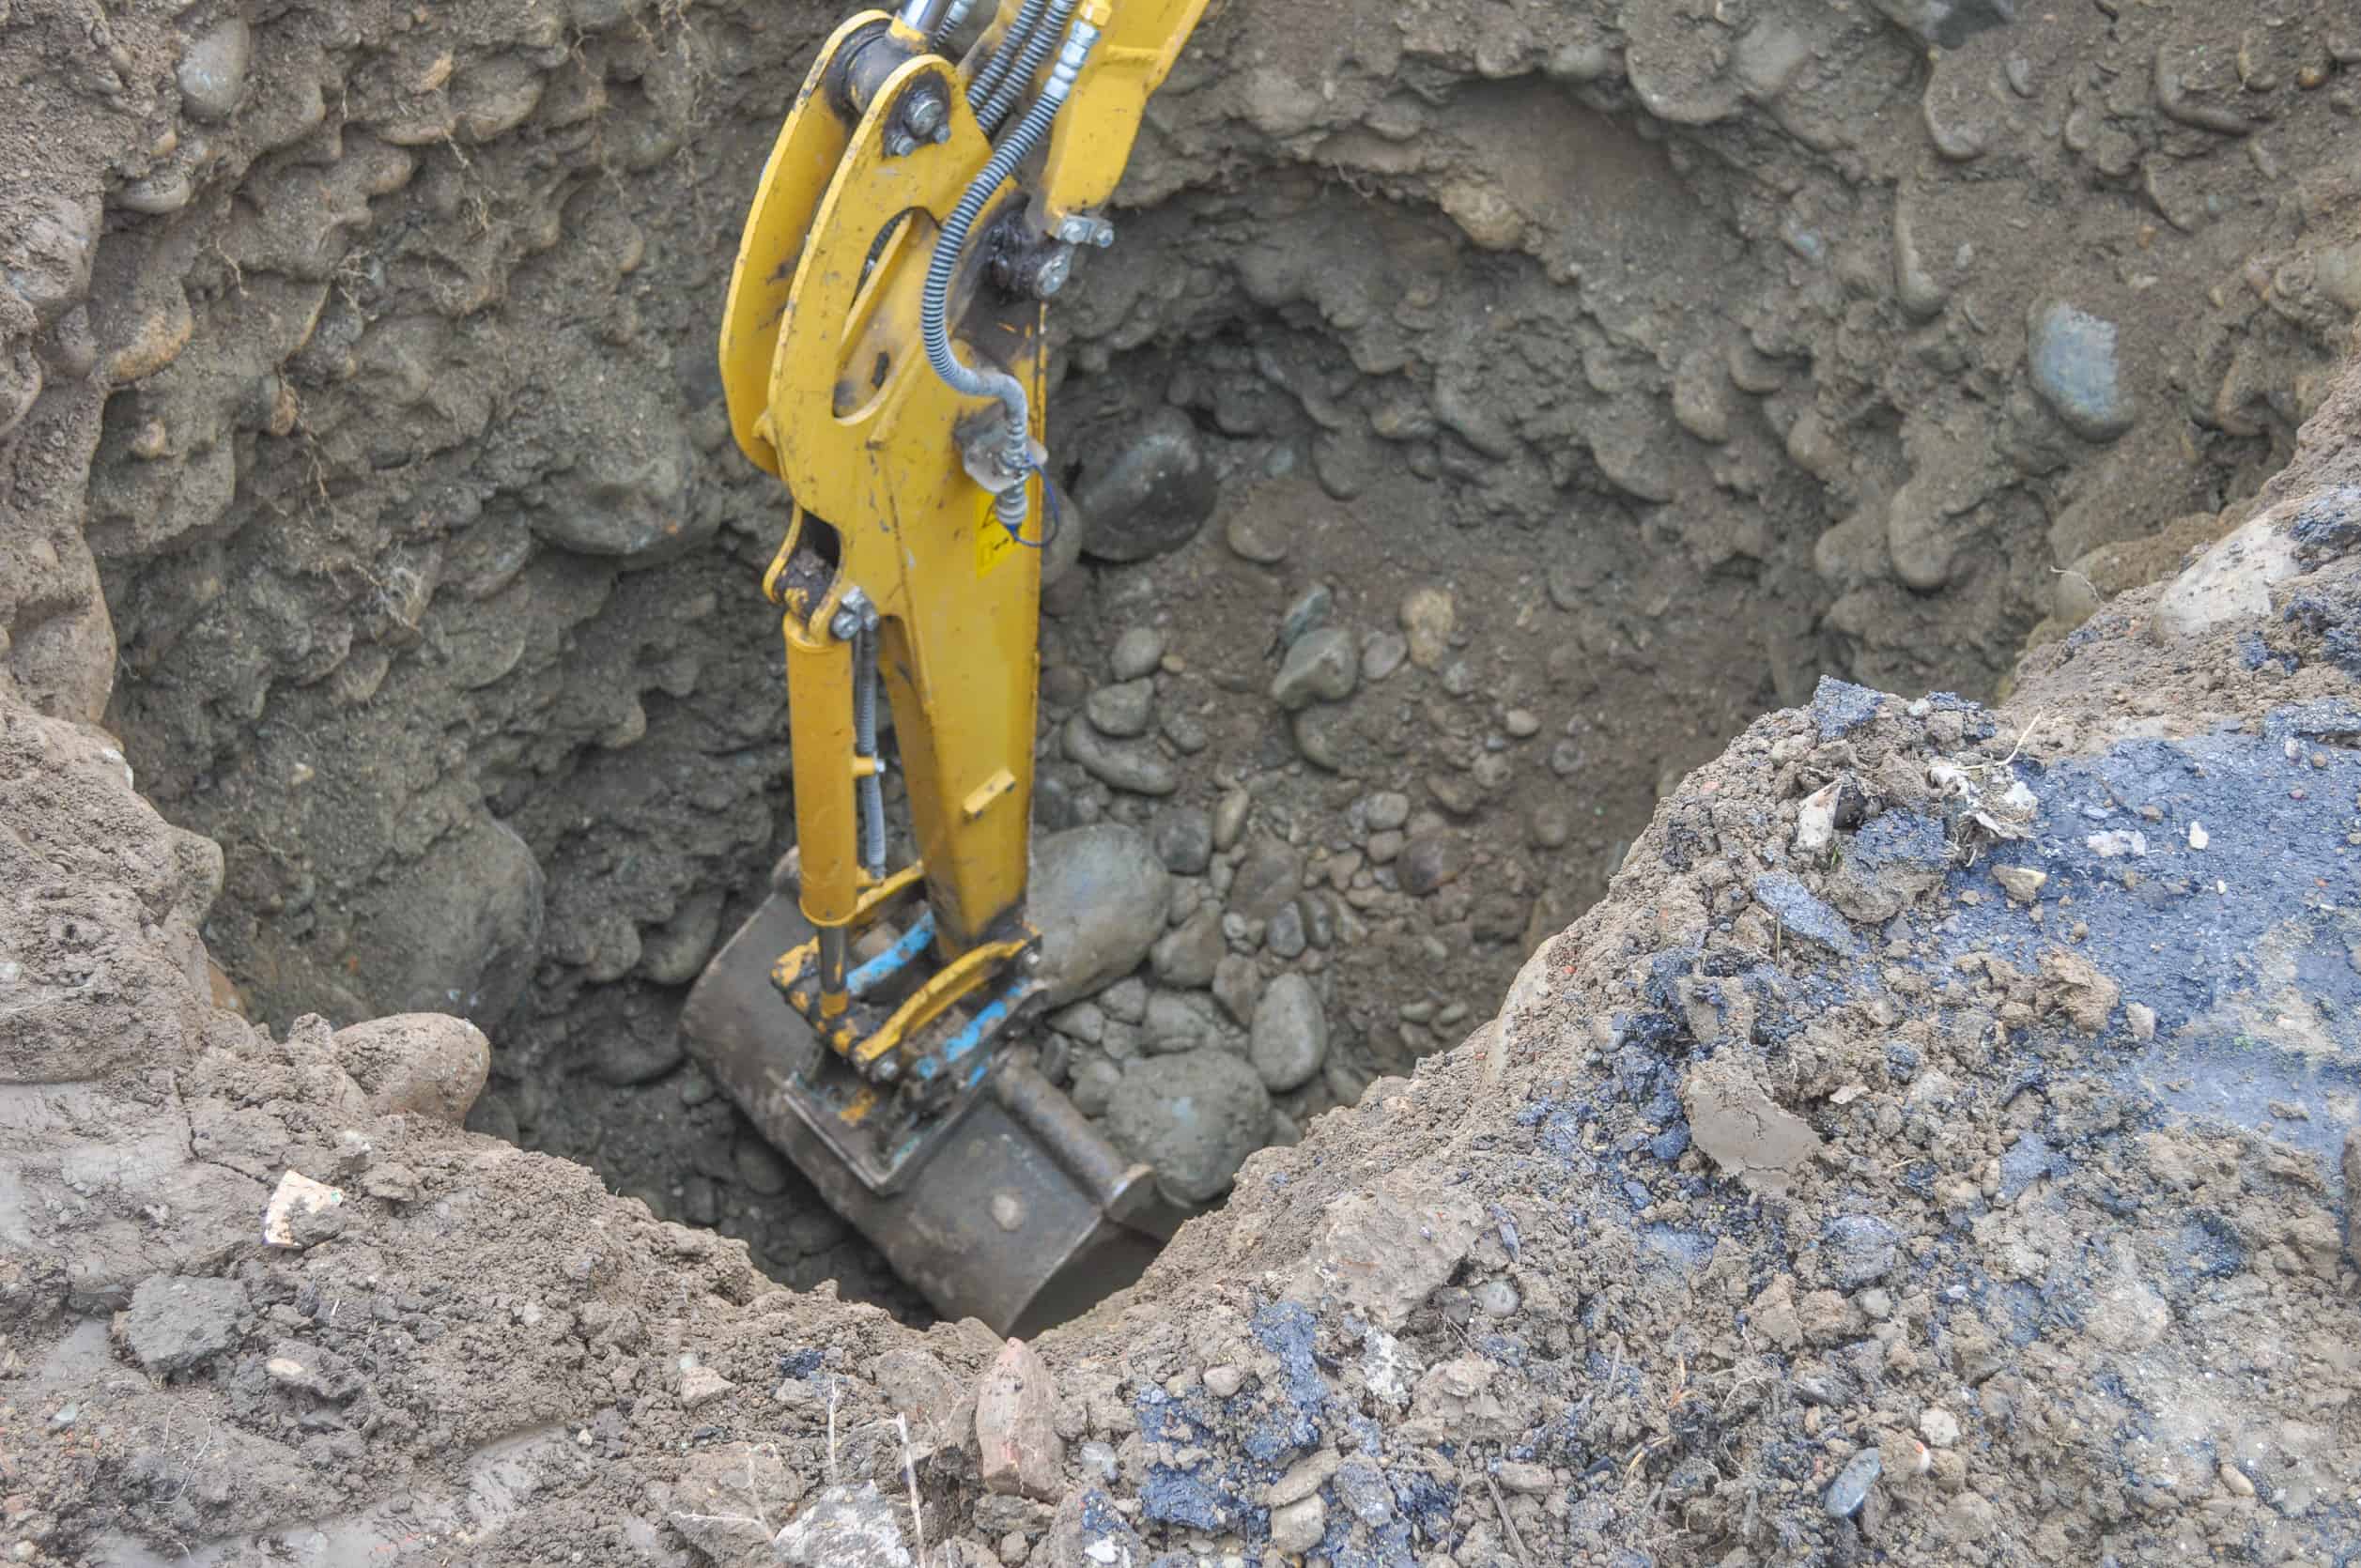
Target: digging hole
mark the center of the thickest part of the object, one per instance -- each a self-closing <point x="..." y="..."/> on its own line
<point x="1562" y="468"/>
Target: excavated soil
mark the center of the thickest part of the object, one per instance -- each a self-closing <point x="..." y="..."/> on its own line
<point x="1926" y="1144"/>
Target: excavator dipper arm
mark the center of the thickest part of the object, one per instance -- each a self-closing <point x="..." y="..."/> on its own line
<point x="882" y="354"/>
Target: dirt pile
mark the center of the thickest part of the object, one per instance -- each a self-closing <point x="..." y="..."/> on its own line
<point x="1566" y="386"/>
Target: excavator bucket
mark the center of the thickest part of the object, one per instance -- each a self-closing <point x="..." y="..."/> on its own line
<point x="1017" y="1212"/>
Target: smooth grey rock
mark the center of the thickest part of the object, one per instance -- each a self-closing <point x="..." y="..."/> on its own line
<point x="1134" y="765"/>
<point x="212" y="74"/>
<point x="2073" y="366"/>
<point x="1229" y="817"/>
<point x="1946" y="22"/>
<point x="1123" y="710"/>
<point x="1284" y="936"/>
<point x="1850" y="1489"/>
<point x="1238" y="986"/>
<point x="1184" y="840"/>
<point x="1176" y="1022"/>
<point x="1098" y="895"/>
<point x="1290" y="1038"/>
<point x="1383" y="653"/>
<point x="1270" y="876"/>
<point x="459" y="930"/>
<point x="1138" y="653"/>
<point x="1307" y="614"/>
<point x="1429" y="860"/>
<point x="1387" y="809"/>
<point x="1149" y="495"/>
<point x="1321" y="732"/>
<point x="1186" y="956"/>
<point x="1195" y="1117"/>
<point x="1322" y="666"/>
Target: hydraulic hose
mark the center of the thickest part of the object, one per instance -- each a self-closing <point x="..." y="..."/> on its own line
<point x="1012" y="42"/>
<point x="1004" y="96"/>
<point x="1010" y="505"/>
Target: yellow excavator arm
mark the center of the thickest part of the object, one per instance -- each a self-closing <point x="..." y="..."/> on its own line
<point x="882" y="353"/>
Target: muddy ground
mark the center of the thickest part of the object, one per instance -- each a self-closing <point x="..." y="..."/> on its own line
<point x="1570" y="386"/>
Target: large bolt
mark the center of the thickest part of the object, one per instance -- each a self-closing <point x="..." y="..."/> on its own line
<point x="922" y="114"/>
<point x="899" y="144"/>
<point x="844" y="625"/>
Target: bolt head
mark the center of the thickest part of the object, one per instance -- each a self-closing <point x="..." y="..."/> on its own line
<point x="901" y="143"/>
<point x="922" y="114"/>
<point x="844" y="625"/>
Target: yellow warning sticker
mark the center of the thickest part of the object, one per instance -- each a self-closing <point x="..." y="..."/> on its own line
<point x="993" y="544"/>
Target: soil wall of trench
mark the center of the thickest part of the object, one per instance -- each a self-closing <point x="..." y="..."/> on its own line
<point x="1568" y="386"/>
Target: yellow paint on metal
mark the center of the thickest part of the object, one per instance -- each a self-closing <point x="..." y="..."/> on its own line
<point x="828" y="387"/>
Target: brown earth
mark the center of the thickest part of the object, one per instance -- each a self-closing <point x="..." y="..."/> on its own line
<point x="367" y="507"/>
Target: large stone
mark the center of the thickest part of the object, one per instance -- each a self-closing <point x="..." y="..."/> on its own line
<point x="1149" y="493"/>
<point x="1016" y="1438"/>
<point x="1195" y="1117"/>
<point x="1098" y="895"/>
<point x="1384" y="1252"/>
<point x="2073" y="366"/>
<point x="845" y="1526"/>
<point x="1185" y="956"/>
<point x="1184" y="840"/>
<point x="429" y="1065"/>
<point x="1290" y="1038"/>
<point x="1137" y="766"/>
<point x="2232" y="581"/>
<point x="212" y="74"/>
<point x="1270" y="876"/>
<point x="176" y="1322"/>
<point x="459" y="930"/>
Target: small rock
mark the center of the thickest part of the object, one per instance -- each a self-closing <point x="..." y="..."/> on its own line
<point x="1850" y="1489"/>
<point x="1387" y="809"/>
<point x="1223" y="1380"/>
<point x="1124" y="710"/>
<point x="1238" y="987"/>
<point x="1016" y="1408"/>
<point x="1938" y="1426"/>
<point x="845" y="1526"/>
<point x="2021" y="884"/>
<point x="1496" y="1298"/>
<point x="1229" y="817"/>
<point x="1522" y="722"/>
<point x="759" y="1166"/>
<point x="1524" y="1475"/>
<point x="212" y="74"/>
<point x="429" y="1065"/>
<point x="1300" y="1526"/>
<point x="1383" y="654"/>
<point x="1304" y="1478"/>
<point x="1859" y="1249"/>
<point x="1270" y="876"/>
<point x="1285" y="936"/>
<point x="1184" y="840"/>
<point x="1136" y="653"/>
<point x="1322" y="666"/>
<point x="1257" y="534"/>
<point x="701" y="1386"/>
<point x="1126" y="1000"/>
<point x="1134" y="766"/>
<point x="1151" y="494"/>
<point x="1428" y="861"/>
<point x="1289" y="1039"/>
<point x="1186" y="956"/>
<point x="1384" y="1252"/>
<point x="1428" y="617"/>
<point x="175" y="1322"/>
<point x="1360" y="1486"/>
<point x="1322" y="734"/>
<point x="2142" y="1019"/>
<point x="1310" y="613"/>
<point x="1099" y="897"/>
<point x="2073" y="368"/>
<point x="1195" y="1117"/>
